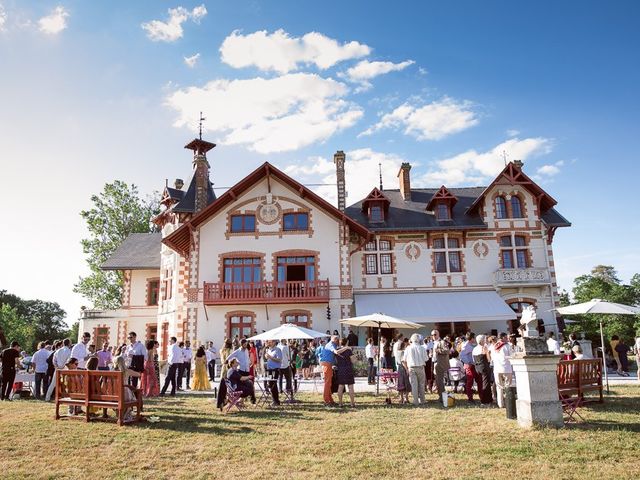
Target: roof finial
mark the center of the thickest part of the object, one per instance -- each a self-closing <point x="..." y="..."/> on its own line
<point x="202" y="119"/>
<point x="504" y="157"/>
<point x="380" y="171"/>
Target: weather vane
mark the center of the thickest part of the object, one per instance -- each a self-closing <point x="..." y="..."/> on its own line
<point x="202" y="119"/>
<point x="504" y="157"/>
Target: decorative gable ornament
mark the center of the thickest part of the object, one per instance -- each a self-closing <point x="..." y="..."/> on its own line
<point x="480" y="249"/>
<point x="412" y="251"/>
<point x="269" y="212"/>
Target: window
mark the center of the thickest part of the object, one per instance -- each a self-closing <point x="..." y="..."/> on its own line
<point x="376" y="214"/>
<point x="516" y="207"/>
<point x="381" y="261"/>
<point x="295" y="221"/>
<point x="299" y="319"/>
<point x="240" y="325"/>
<point x="101" y="336"/>
<point x="168" y="285"/>
<point x="243" y="223"/>
<point x="514" y="252"/>
<point x="447" y="257"/>
<point x="153" y="288"/>
<point x="442" y="212"/>
<point x="501" y="207"/>
<point x="296" y="269"/>
<point x="242" y="270"/>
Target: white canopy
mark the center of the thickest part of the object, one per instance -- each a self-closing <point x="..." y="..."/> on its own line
<point x="598" y="306"/>
<point x="434" y="307"/>
<point x="379" y="320"/>
<point x="288" y="332"/>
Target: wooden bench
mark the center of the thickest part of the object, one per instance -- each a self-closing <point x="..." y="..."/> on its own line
<point x="97" y="389"/>
<point x="577" y="377"/>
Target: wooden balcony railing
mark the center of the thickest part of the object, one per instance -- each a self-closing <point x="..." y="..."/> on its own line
<point x="220" y="293"/>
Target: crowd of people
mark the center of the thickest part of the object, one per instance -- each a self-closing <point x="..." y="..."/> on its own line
<point x="476" y="365"/>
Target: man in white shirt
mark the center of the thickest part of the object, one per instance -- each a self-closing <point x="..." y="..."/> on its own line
<point x="552" y="344"/>
<point x="175" y="362"/>
<point x="39" y="361"/>
<point x="413" y="360"/>
<point x="212" y="355"/>
<point x="60" y="358"/>
<point x="370" y="353"/>
<point x="285" y="366"/>
<point x="136" y="353"/>
<point x="80" y="351"/>
<point x="187" y="355"/>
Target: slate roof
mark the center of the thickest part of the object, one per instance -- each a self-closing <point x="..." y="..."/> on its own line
<point x="187" y="201"/>
<point x="413" y="216"/>
<point x="175" y="194"/>
<point x="139" y="251"/>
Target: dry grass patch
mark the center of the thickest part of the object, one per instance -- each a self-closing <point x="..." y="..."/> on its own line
<point x="193" y="440"/>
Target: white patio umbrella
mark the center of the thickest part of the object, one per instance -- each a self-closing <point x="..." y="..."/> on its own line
<point x="288" y="332"/>
<point x="599" y="306"/>
<point x="379" y="320"/>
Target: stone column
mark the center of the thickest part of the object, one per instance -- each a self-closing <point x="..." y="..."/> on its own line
<point x="537" y="385"/>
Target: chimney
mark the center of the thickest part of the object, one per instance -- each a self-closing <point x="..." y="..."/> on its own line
<point x="405" y="181"/>
<point x="339" y="159"/>
<point x="518" y="163"/>
<point x="178" y="183"/>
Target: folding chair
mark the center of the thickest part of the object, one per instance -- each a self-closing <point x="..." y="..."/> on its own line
<point x="570" y="407"/>
<point x="234" y="398"/>
<point x="455" y="374"/>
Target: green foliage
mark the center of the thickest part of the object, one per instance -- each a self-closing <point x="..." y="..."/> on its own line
<point x="30" y="321"/>
<point x="117" y="212"/>
<point x="603" y="283"/>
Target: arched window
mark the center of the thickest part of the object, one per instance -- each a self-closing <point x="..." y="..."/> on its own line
<point x="501" y="207"/>
<point x="240" y="323"/>
<point x="300" y="318"/>
<point x="516" y="207"/>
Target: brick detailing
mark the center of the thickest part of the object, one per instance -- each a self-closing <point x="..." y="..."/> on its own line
<point x="339" y="159"/>
<point x="126" y="288"/>
<point x="346" y="292"/>
<point x="405" y="181"/>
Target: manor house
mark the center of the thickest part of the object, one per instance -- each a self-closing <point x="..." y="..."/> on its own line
<point x="270" y="251"/>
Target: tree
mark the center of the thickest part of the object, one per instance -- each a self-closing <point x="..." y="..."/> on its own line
<point x="603" y="283"/>
<point x="117" y="212"/>
<point x="31" y="320"/>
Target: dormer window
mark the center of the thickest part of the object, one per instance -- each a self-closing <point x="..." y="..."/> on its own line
<point x="501" y="207"/>
<point x="376" y="214"/>
<point x="443" y="212"/>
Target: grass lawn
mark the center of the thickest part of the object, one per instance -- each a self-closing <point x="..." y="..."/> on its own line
<point x="193" y="440"/>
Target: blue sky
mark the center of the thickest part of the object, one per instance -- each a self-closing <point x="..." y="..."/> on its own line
<point x="96" y="91"/>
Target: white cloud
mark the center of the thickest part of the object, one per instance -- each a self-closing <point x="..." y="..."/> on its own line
<point x="172" y="30"/>
<point x="198" y="13"/>
<point x="282" y="53"/>
<point x="361" y="173"/>
<point x="192" y="60"/>
<point x="268" y="114"/>
<point x="366" y="70"/>
<point x="55" y="22"/>
<point x="477" y="167"/>
<point x="512" y="132"/>
<point x="432" y="121"/>
<point x="550" y="170"/>
<point x="3" y="18"/>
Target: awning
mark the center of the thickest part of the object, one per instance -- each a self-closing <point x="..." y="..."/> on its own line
<point x="434" y="307"/>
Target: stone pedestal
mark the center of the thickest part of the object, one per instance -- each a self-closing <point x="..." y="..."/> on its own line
<point x="537" y="385"/>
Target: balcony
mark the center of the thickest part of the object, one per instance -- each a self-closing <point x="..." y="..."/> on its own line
<point x="514" y="277"/>
<point x="316" y="291"/>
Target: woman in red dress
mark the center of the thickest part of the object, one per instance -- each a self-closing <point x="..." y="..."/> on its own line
<point x="253" y="358"/>
<point x="149" y="382"/>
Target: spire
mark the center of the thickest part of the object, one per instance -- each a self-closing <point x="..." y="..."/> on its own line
<point x="201" y="167"/>
<point x="380" y="171"/>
